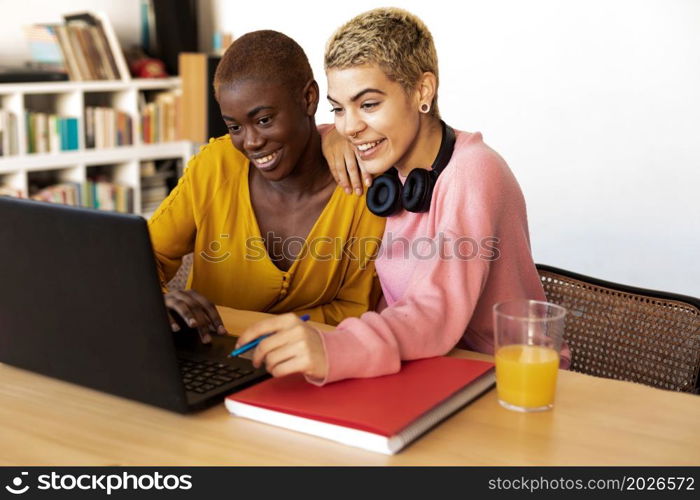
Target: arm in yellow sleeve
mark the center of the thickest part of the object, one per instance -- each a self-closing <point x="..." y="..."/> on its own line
<point x="173" y="227"/>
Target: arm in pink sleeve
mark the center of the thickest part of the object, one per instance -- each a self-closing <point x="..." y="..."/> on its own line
<point x="428" y="321"/>
<point x="443" y="291"/>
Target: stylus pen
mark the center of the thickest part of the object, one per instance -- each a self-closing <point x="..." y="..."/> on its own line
<point x="250" y="345"/>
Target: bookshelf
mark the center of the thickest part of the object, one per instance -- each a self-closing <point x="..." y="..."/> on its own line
<point x="21" y="170"/>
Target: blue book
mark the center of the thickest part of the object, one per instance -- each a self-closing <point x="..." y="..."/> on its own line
<point x="72" y="133"/>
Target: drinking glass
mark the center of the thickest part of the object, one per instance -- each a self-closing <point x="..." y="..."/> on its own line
<point x="528" y="336"/>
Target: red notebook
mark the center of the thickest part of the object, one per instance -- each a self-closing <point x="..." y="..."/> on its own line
<point x="381" y="414"/>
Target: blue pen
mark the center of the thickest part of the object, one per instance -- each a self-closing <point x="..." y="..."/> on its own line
<point x="250" y="345"/>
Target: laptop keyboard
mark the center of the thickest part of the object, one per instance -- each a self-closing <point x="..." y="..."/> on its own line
<point x="206" y="375"/>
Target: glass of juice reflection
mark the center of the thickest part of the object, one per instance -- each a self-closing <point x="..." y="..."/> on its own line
<point x="528" y="337"/>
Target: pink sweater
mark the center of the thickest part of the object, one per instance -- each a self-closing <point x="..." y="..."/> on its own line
<point x="440" y="290"/>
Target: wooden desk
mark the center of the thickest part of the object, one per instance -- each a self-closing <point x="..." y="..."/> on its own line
<point x="596" y="422"/>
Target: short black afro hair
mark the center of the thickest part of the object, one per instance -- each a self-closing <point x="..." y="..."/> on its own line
<point x="264" y="55"/>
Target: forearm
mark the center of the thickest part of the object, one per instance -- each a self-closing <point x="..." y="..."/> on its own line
<point x="428" y="321"/>
<point x="172" y="228"/>
<point x="170" y="244"/>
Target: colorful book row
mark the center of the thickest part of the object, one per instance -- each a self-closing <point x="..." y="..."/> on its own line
<point x="107" y="128"/>
<point x="51" y="133"/>
<point x="101" y="195"/>
<point x="161" y="119"/>
<point x="10" y="191"/>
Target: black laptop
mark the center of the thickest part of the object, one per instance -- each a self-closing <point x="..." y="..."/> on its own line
<point x="80" y="300"/>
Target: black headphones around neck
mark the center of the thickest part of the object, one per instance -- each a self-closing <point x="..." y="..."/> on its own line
<point x="387" y="196"/>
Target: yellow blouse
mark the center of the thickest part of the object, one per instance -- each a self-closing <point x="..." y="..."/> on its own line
<point x="210" y="214"/>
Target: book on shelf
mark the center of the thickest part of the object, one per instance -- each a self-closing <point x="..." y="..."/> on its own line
<point x="106" y="195"/>
<point x="109" y="66"/>
<point x="69" y="138"/>
<point x="85" y="46"/>
<point x="107" y="128"/>
<point x="161" y="118"/>
<point x="49" y="133"/>
<point x="80" y="55"/>
<point x="100" y="47"/>
<point x="70" y="57"/>
<point x="93" y="193"/>
<point x="66" y="193"/>
<point x="54" y="134"/>
<point x="381" y="414"/>
<point x="156" y="180"/>
<point x="8" y="133"/>
<point x="10" y="191"/>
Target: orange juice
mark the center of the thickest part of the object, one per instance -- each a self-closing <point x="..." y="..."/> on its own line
<point x="526" y="375"/>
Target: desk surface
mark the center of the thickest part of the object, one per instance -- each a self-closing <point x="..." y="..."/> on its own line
<point x="596" y="421"/>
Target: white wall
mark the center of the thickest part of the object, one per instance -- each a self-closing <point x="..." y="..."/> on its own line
<point x="594" y="104"/>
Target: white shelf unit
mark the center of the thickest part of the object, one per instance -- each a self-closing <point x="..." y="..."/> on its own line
<point x="70" y="99"/>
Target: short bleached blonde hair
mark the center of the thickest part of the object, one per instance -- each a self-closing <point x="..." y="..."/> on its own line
<point x="394" y="39"/>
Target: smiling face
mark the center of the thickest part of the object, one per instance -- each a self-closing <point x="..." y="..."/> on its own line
<point x="376" y="115"/>
<point x="268" y="124"/>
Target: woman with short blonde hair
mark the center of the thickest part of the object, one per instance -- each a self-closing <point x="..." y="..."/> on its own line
<point x="393" y="39"/>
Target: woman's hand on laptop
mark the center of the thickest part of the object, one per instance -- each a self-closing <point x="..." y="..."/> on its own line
<point x="196" y="311"/>
<point x="292" y="346"/>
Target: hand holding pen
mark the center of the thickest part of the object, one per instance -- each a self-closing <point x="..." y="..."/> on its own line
<point x="285" y="345"/>
<point x="247" y="347"/>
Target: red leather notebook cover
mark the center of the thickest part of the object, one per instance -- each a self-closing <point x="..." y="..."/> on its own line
<point x="381" y="405"/>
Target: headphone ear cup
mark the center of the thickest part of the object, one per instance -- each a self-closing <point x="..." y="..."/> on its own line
<point x="384" y="195"/>
<point x="418" y="190"/>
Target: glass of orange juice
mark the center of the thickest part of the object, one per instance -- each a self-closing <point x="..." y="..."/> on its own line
<point x="528" y="336"/>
